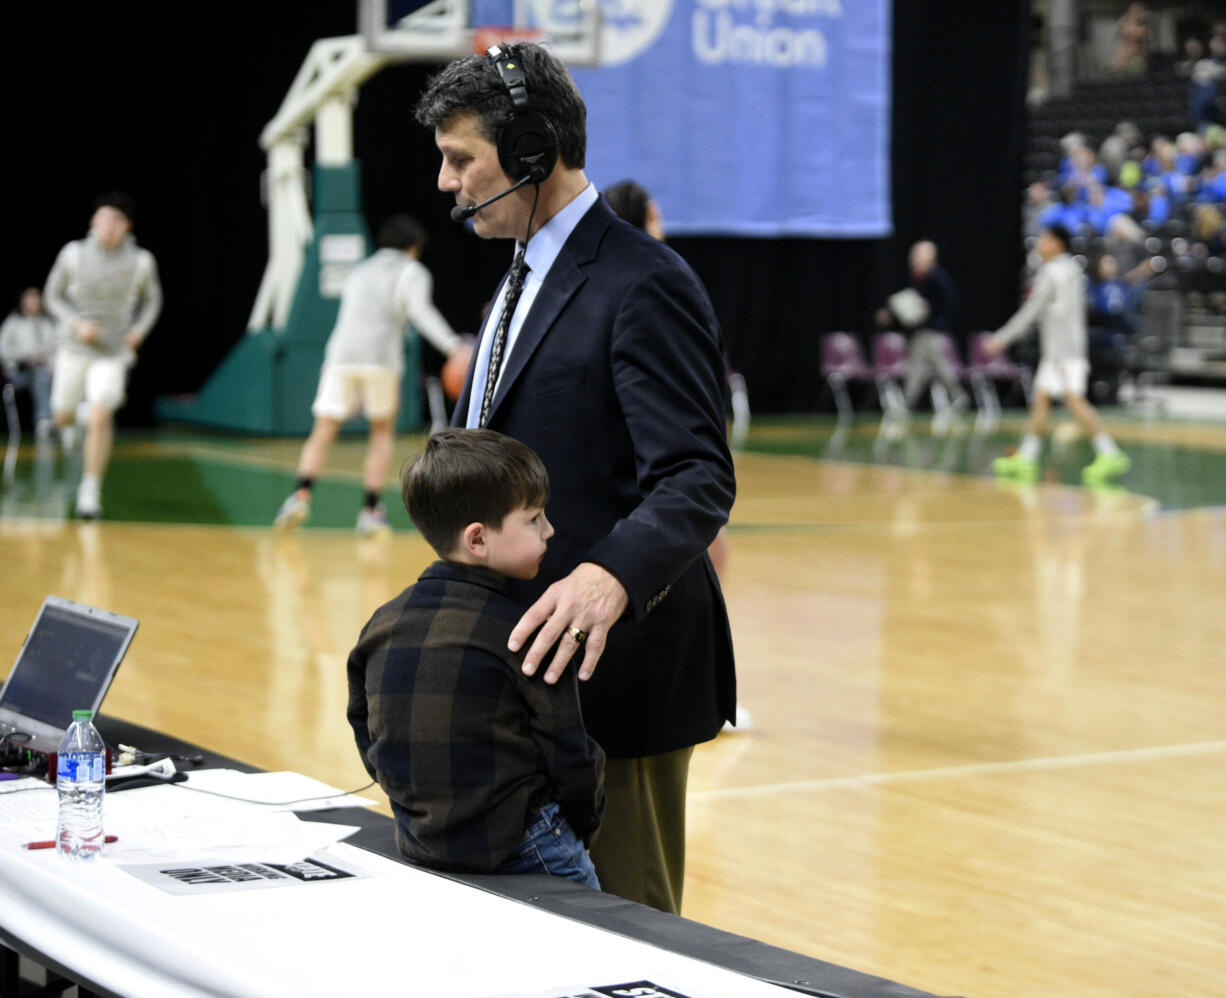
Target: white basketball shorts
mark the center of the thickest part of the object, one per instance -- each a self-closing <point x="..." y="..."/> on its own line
<point x="1058" y="378"/>
<point x="346" y="389"/>
<point x="99" y="381"/>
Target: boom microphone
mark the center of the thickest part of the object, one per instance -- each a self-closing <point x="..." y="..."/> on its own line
<point x="463" y="212"/>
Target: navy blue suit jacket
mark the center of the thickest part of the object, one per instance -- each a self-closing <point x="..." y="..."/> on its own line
<point x="616" y="380"/>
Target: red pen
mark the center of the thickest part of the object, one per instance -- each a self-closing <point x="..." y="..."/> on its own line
<point x="50" y="843"/>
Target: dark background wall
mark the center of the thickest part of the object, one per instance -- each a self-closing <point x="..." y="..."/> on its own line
<point x="167" y="101"/>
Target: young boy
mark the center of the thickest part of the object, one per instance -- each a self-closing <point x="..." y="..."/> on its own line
<point x="488" y="770"/>
<point x="1058" y="302"/>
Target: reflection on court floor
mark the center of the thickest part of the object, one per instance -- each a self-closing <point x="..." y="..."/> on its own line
<point x="989" y="718"/>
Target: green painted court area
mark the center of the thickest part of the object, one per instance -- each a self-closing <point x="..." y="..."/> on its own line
<point x="1164" y="467"/>
<point x="175" y="476"/>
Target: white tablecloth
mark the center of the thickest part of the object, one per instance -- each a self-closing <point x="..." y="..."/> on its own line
<point x="398" y="930"/>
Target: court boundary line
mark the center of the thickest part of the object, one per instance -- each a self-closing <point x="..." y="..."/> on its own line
<point x="1048" y="763"/>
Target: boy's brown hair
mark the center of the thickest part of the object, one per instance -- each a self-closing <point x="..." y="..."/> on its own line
<point x="470" y="476"/>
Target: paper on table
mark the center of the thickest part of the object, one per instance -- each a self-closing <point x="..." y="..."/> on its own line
<point x="253" y="834"/>
<point x="26" y="783"/>
<point x="24" y="810"/>
<point x="282" y="791"/>
<point x="165" y="821"/>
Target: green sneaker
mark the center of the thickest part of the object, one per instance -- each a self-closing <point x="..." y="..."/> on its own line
<point x="1016" y="466"/>
<point x="1105" y="467"/>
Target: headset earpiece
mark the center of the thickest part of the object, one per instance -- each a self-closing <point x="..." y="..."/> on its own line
<point x="527" y="142"/>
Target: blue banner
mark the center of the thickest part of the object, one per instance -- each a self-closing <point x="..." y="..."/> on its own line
<point x="745" y="117"/>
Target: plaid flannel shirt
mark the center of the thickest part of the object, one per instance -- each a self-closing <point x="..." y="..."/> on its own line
<point x="465" y="745"/>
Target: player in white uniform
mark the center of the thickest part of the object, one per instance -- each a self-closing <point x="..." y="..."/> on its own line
<point x="1058" y="302"/>
<point x="105" y="292"/>
<point x="364" y="362"/>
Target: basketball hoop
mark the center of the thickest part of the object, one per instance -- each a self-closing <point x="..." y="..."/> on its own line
<point x="488" y="35"/>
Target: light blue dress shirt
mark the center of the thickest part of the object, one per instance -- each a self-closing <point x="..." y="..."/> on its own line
<point x="543" y="248"/>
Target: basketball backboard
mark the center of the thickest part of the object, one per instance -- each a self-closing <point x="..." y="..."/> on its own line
<point x="441" y="30"/>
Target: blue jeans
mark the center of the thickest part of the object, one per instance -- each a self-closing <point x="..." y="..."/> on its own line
<point x="38" y="380"/>
<point x="550" y="846"/>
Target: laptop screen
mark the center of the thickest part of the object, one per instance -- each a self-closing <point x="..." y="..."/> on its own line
<point x="67" y="663"/>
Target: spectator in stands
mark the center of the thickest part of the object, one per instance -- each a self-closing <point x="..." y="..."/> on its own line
<point x="1159" y="159"/>
<point x="1069" y="211"/>
<point x="1130" y="172"/>
<point x="1207" y="229"/>
<point x="1069" y="144"/>
<point x="1111" y="318"/>
<point x="1152" y="202"/>
<point x="1193" y="52"/>
<point x="1125" y="241"/>
<point x="1213" y="181"/>
<point x="1104" y="202"/>
<point x="1109" y="298"/>
<point x="925" y="309"/>
<point x="1085" y="170"/>
<point x="1116" y="147"/>
<point x="1208" y="84"/>
<point x="1162" y="165"/>
<point x="1215" y="140"/>
<point x="1189" y="153"/>
<point x="1132" y="41"/>
<point x="1040" y="198"/>
<point x="27" y="346"/>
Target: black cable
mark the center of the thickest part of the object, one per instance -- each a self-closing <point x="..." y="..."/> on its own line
<point x="536" y="197"/>
<point x="211" y="793"/>
<point x="273" y="803"/>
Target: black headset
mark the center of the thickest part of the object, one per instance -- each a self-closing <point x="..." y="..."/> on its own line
<point x="527" y="142"/>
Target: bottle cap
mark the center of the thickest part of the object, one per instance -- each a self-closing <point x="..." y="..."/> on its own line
<point x="82" y="715"/>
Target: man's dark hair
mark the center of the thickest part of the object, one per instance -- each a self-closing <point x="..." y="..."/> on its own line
<point x="629" y="199"/>
<point x="401" y="232"/>
<point x="22" y="293"/>
<point x="1061" y="233"/>
<point x="470" y="476"/>
<point x="120" y="201"/>
<point x="472" y="84"/>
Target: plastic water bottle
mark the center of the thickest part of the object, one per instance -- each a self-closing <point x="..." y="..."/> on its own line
<point x="80" y="779"/>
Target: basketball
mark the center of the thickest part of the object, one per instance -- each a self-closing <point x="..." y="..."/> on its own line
<point x="454" y="370"/>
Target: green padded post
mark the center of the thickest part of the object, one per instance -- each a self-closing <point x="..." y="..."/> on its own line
<point x="267" y="382"/>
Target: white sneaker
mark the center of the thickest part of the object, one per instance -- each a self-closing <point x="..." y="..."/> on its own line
<point x="373" y="521"/>
<point x="293" y="513"/>
<point x="89" y="500"/>
<point x="68" y="438"/>
<point x="744" y="721"/>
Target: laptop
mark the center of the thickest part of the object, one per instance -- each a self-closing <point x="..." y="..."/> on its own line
<point x="67" y="663"/>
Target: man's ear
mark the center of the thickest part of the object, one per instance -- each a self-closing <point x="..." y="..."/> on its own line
<point x="473" y="542"/>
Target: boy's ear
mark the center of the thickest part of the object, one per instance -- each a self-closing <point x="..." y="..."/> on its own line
<point x="472" y="540"/>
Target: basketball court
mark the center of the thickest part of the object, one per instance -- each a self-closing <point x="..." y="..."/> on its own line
<point x="987" y="750"/>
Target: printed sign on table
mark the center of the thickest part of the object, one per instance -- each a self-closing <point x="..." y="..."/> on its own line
<point x="207" y="877"/>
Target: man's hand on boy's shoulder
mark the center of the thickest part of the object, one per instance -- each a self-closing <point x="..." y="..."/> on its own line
<point x="589" y="600"/>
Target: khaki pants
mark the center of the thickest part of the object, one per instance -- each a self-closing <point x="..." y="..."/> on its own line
<point x="640" y="851"/>
<point x="924" y="360"/>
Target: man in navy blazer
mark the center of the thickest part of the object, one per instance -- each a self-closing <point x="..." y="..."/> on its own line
<point x="612" y="371"/>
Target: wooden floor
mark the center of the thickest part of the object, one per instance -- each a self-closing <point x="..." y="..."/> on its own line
<point x="988" y="751"/>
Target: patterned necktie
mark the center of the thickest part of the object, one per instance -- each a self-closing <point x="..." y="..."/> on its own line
<point x="515" y="286"/>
